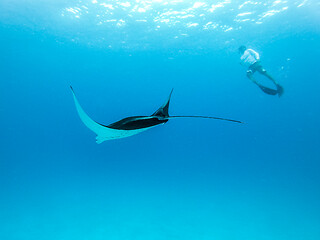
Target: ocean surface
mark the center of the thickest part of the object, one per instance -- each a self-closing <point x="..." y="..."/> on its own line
<point x="188" y="179"/>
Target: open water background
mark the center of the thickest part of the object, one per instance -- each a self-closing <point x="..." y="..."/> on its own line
<point x="187" y="179"/>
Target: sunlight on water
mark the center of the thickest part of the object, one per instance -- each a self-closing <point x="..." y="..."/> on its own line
<point x="143" y="23"/>
<point x="148" y="17"/>
<point x="171" y="13"/>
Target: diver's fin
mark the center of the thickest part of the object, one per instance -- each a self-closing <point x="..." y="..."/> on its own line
<point x="267" y="90"/>
<point x="163" y="111"/>
<point x="279" y="90"/>
<point x="216" y="118"/>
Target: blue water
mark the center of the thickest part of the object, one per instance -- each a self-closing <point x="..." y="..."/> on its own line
<point x="188" y="179"/>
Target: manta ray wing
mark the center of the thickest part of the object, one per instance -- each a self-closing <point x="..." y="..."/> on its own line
<point x="103" y="132"/>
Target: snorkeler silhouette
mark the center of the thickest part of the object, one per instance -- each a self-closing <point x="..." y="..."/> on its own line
<point x="251" y="59"/>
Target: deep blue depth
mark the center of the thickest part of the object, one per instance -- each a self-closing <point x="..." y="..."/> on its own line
<point x="187" y="179"/>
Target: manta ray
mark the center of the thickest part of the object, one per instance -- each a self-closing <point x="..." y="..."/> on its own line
<point x="131" y="125"/>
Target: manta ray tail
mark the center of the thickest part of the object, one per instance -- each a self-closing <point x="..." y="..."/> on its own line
<point x="208" y="117"/>
<point x="163" y="111"/>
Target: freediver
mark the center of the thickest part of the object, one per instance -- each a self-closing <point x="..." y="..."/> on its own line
<point x="251" y="59"/>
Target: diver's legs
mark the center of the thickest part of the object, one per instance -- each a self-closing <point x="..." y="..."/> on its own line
<point x="265" y="73"/>
<point x="250" y="76"/>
